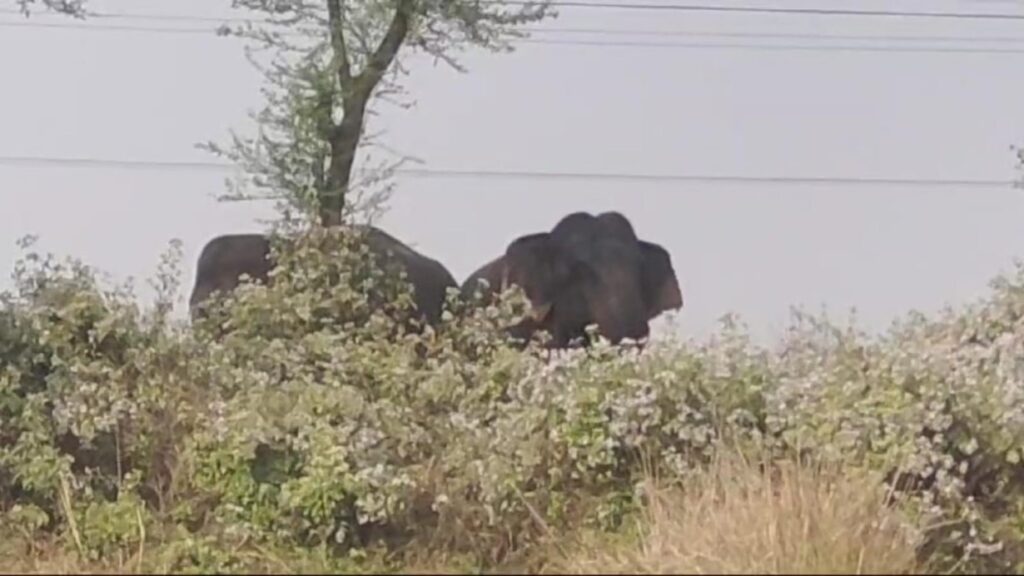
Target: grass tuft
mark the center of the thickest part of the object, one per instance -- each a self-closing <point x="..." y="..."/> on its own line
<point x="739" y="516"/>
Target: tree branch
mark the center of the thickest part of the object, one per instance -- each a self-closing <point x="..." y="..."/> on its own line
<point x="336" y="23"/>
<point x="73" y="8"/>
<point x="384" y="55"/>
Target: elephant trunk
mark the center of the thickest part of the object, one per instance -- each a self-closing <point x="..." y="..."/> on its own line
<point x="618" y="309"/>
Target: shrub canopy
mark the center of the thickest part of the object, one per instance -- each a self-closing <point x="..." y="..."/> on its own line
<point x="304" y="417"/>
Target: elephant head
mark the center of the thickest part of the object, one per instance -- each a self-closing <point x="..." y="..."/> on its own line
<point x="587" y="270"/>
<point x="555" y="283"/>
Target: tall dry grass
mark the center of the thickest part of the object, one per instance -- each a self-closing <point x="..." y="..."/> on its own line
<point x="737" y="516"/>
<point x="741" y="517"/>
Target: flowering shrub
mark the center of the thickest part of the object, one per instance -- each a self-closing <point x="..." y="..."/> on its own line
<point x="310" y="415"/>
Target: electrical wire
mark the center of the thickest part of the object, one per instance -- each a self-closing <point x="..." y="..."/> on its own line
<point x="170" y="165"/>
<point x="638" y="6"/>
<point x="626" y="43"/>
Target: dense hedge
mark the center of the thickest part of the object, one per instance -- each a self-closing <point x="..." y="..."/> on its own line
<point x="304" y="417"/>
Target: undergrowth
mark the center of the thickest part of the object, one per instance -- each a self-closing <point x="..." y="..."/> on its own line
<point x="309" y="425"/>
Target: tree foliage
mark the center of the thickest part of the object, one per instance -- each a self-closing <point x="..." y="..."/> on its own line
<point x="329" y="60"/>
<point x="69" y="7"/>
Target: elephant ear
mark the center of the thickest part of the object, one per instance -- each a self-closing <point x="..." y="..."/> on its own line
<point x="658" y="279"/>
<point x="542" y="268"/>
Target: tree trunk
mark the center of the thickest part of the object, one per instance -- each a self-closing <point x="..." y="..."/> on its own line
<point x="355" y="95"/>
<point x="344" y="143"/>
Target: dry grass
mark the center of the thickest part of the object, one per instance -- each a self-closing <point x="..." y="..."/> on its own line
<point x="735" y="518"/>
<point x="48" y="558"/>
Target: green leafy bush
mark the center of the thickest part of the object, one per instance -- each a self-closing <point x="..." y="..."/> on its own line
<point x="310" y="415"/>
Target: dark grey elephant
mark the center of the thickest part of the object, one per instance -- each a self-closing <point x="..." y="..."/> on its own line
<point x="225" y="258"/>
<point x="586" y="270"/>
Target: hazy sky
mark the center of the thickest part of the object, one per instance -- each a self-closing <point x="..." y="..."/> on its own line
<point x="752" y="249"/>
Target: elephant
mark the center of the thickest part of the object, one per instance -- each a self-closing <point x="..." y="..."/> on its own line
<point x="225" y="258"/>
<point x="587" y="270"/>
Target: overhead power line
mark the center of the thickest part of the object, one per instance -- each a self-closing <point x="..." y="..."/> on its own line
<point x="638" y="6"/>
<point x="647" y="44"/>
<point x="157" y="17"/>
<point x="666" y="7"/>
<point x="776" y="47"/>
<point x="584" y="31"/>
<point x="773" y="35"/>
<point x="167" y="165"/>
<point x="575" y="31"/>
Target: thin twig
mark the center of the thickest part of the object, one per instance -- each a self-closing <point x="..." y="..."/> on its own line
<point x="65" y="500"/>
<point x="142" y="540"/>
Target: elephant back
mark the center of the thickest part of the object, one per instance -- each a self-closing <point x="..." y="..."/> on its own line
<point x="224" y="260"/>
<point x="429" y="278"/>
<point x="492" y="272"/>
